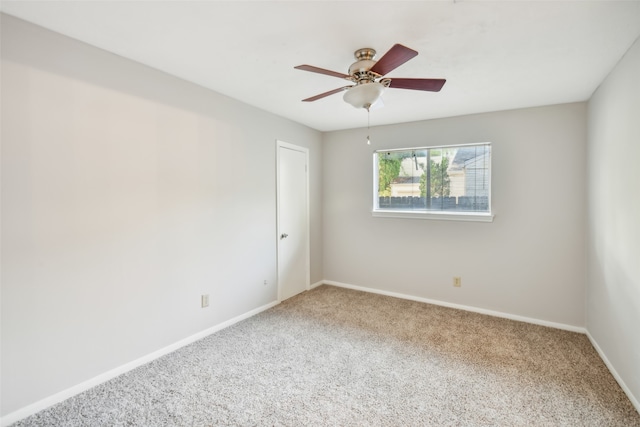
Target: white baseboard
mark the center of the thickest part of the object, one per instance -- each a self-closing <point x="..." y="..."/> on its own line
<point x="618" y="378"/>
<point x="79" y="388"/>
<point x="86" y="385"/>
<point x="461" y="307"/>
<point x="315" y="285"/>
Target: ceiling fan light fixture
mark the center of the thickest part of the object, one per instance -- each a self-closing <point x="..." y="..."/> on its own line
<point x="364" y="95"/>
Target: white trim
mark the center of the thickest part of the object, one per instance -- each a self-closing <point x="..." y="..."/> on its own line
<point x="449" y="216"/>
<point x="305" y="151"/>
<point x="315" y="285"/>
<point x="618" y="378"/>
<point x="531" y="320"/>
<point x="106" y="376"/>
<point x="291" y="146"/>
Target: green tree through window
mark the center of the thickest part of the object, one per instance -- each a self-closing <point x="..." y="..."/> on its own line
<point x="440" y="181"/>
<point x="389" y="169"/>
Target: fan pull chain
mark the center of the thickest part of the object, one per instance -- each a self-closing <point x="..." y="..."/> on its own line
<point x="368" y="126"/>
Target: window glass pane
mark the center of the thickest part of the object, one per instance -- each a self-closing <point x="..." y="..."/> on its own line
<point x="452" y="179"/>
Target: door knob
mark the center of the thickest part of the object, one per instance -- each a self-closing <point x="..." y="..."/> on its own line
<point x="283" y="236"/>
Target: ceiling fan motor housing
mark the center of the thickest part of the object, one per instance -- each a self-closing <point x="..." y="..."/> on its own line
<point x="360" y="70"/>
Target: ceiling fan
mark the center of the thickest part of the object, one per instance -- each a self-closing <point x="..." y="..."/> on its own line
<point x="368" y="76"/>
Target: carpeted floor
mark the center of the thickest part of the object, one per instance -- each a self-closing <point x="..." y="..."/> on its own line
<point x="336" y="357"/>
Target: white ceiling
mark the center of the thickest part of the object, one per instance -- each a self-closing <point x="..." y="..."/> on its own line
<point x="495" y="55"/>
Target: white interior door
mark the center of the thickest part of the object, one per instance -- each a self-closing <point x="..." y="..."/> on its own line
<point x="293" y="220"/>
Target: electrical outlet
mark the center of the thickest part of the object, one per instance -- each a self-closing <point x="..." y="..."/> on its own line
<point x="204" y="300"/>
<point x="457" y="282"/>
<point x="266" y="283"/>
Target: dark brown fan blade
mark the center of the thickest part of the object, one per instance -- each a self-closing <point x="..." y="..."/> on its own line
<point x="322" y="71"/>
<point x="322" y="95"/>
<point x="395" y="57"/>
<point x="433" y="85"/>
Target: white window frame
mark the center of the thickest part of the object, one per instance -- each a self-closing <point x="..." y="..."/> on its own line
<point x="430" y="214"/>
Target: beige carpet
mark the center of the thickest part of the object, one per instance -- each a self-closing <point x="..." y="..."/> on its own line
<point x="336" y="357"/>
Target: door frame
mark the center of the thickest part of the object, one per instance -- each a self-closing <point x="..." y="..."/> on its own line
<point x="285" y="145"/>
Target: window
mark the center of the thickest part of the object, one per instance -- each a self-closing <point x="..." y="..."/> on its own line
<point x="448" y="182"/>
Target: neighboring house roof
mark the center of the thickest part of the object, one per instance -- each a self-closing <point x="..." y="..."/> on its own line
<point x="406" y="180"/>
<point x="479" y="162"/>
<point x="464" y="154"/>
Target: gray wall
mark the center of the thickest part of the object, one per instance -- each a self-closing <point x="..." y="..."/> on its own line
<point x="613" y="286"/>
<point x="126" y="194"/>
<point x="530" y="261"/>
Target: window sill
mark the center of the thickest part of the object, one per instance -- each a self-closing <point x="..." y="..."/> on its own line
<point x="446" y="216"/>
